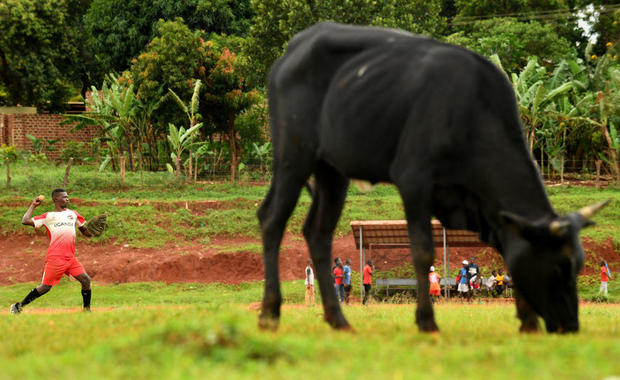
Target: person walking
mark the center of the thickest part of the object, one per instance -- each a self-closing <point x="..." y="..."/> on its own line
<point x="435" y="286"/>
<point x="60" y="259"/>
<point x="605" y="276"/>
<point x="367" y="280"/>
<point x="347" y="280"/>
<point x="309" y="282"/>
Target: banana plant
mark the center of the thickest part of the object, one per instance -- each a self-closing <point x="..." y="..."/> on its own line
<point x="179" y="140"/>
<point x="262" y="152"/>
<point x="537" y="95"/>
<point x="191" y="111"/>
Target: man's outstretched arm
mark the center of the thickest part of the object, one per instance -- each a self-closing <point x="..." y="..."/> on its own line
<point x="27" y="218"/>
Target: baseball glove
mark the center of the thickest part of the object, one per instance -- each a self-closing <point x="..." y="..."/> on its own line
<point x="97" y="224"/>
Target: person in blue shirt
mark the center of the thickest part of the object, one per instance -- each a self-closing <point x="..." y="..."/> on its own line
<point x="472" y="269"/>
<point x="347" y="280"/>
<point x="463" y="281"/>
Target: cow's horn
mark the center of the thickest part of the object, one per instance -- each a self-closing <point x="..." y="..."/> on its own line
<point x="558" y="228"/>
<point x="589" y="211"/>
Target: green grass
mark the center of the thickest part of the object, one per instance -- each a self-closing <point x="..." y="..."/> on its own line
<point x="134" y="219"/>
<point x="207" y="331"/>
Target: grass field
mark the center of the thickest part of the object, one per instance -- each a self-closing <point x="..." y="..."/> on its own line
<point x="175" y="331"/>
<point x="156" y="330"/>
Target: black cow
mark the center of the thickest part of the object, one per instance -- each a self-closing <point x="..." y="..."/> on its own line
<point x="441" y="123"/>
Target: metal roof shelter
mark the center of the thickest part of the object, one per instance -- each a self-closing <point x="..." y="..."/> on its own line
<point x="369" y="234"/>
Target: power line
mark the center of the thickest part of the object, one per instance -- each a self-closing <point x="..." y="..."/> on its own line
<point x="535" y="15"/>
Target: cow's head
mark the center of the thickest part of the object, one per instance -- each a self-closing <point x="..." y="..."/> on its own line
<point x="544" y="258"/>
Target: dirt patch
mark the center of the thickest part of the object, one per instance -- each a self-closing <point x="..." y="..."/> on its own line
<point x="22" y="258"/>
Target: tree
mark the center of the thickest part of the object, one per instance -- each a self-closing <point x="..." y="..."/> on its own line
<point x="559" y="15"/>
<point x="120" y="114"/>
<point x="38" y="52"/>
<point x="227" y="95"/>
<point x="607" y="28"/>
<point x="468" y="9"/>
<point x="173" y="60"/>
<point x="275" y="22"/>
<point x="8" y="153"/>
<point x="121" y="29"/>
<point x="514" y="41"/>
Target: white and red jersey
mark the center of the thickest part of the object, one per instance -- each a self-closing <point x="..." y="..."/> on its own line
<point x="60" y="226"/>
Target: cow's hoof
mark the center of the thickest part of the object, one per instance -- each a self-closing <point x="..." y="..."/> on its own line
<point x="529" y="329"/>
<point x="530" y="326"/>
<point x="428" y="327"/>
<point x="337" y="322"/>
<point x="268" y="323"/>
<point x="344" y="327"/>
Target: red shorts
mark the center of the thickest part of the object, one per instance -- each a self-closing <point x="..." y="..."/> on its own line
<point x="56" y="267"/>
<point x="435" y="292"/>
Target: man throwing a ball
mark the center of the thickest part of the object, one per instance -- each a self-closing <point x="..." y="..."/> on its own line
<point x="60" y="225"/>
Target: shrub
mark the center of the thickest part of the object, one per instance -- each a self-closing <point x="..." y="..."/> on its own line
<point x="77" y="150"/>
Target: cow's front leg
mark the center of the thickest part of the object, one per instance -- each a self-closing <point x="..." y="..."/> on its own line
<point x="415" y="192"/>
<point x="328" y="200"/>
<point x="423" y="253"/>
<point x="527" y="315"/>
<point x="273" y="214"/>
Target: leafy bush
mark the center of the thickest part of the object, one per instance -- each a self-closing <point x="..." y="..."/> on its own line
<point x="76" y="149"/>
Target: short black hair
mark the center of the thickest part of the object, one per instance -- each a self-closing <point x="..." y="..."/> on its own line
<point x="56" y="191"/>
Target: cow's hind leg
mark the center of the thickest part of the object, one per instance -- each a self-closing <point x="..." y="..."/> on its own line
<point x="273" y="215"/>
<point x="328" y="200"/>
<point x="416" y="196"/>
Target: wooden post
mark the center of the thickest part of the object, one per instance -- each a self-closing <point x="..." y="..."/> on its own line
<point x="196" y="169"/>
<point x="598" y="174"/>
<point x="8" y="173"/>
<point x="66" y="180"/>
<point x="361" y="264"/>
<point x="123" y="168"/>
<point x="190" y="174"/>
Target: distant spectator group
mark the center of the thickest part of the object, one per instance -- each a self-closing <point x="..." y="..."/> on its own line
<point x="342" y="280"/>
<point x="471" y="282"/>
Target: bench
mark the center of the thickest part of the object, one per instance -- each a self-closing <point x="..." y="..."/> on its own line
<point x="407" y="283"/>
<point x="381" y="234"/>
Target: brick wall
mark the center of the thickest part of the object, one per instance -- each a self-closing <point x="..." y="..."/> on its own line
<point x="15" y="126"/>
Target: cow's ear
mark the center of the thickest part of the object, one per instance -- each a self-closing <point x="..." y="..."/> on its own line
<point x="515" y="220"/>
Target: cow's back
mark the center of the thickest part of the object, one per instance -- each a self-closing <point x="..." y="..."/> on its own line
<point x="299" y="81"/>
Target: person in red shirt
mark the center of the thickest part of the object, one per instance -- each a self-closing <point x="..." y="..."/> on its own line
<point x="60" y="259"/>
<point x="435" y="287"/>
<point x="338" y="283"/>
<point x="604" y="278"/>
<point x="367" y="279"/>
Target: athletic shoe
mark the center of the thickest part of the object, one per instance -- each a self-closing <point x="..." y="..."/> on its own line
<point x="86" y="309"/>
<point x="16" y="308"/>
